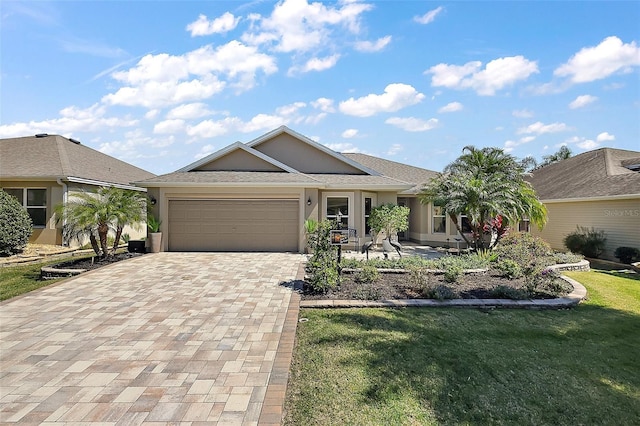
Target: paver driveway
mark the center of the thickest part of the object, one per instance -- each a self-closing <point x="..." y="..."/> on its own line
<point x="169" y="337"/>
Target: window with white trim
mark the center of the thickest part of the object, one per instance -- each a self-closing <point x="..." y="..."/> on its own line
<point x="338" y="210"/>
<point x="465" y="224"/>
<point x="439" y="220"/>
<point x="34" y="200"/>
<point x="524" y="225"/>
<point x="368" y="205"/>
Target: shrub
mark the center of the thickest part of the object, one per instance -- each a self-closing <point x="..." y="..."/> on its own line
<point x="452" y="274"/>
<point x="418" y="277"/>
<point x="366" y="292"/>
<point x="15" y="225"/>
<point x="323" y="265"/>
<point x="439" y="292"/>
<point x="567" y="257"/>
<point x="368" y="274"/>
<point x="521" y="247"/>
<point x="588" y="242"/>
<point x="506" y="292"/>
<point x="627" y="254"/>
<point x="509" y="269"/>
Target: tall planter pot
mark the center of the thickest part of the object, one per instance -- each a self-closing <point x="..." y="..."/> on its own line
<point x="155" y="242"/>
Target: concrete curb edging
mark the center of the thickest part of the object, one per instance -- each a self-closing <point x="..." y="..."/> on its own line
<point x="578" y="294"/>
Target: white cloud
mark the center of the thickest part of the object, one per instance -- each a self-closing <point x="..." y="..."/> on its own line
<point x="350" y="133"/>
<point x="394" y="149"/>
<point x="412" y="124"/>
<point x="136" y="144"/>
<point x="373" y="46"/>
<point x="212" y="128"/>
<point x="540" y="128"/>
<point x="510" y="145"/>
<point x="324" y="104"/>
<point x="163" y="79"/>
<point x="428" y="17"/>
<point x="588" y="144"/>
<point x="204" y="151"/>
<point x="604" y="136"/>
<point x="496" y="75"/>
<point x="169" y="126"/>
<point x="189" y="111"/>
<point x="523" y="113"/>
<point x="223" y="24"/>
<point x="300" y="26"/>
<point x="395" y="97"/>
<point x="316" y="64"/>
<point x="151" y="114"/>
<point x="451" y="107"/>
<point x="601" y="61"/>
<point x="343" y="147"/>
<point x="291" y="109"/>
<point x="582" y="100"/>
<point x="72" y="119"/>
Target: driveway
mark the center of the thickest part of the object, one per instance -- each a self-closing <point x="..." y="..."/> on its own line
<point x="168" y="337"/>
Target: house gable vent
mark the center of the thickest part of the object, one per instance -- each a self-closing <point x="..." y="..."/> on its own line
<point x="42" y="135"/>
<point x="76" y="141"/>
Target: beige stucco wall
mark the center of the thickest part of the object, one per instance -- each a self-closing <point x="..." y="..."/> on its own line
<point x="303" y="157"/>
<point x="619" y="218"/>
<point x="240" y="160"/>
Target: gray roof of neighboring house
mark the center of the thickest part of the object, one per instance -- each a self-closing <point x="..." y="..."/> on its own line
<point x="54" y="156"/>
<point x="598" y="173"/>
<point x="403" y="172"/>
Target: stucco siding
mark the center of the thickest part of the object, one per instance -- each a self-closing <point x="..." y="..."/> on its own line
<point x="240" y="160"/>
<point x="620" y="219"/>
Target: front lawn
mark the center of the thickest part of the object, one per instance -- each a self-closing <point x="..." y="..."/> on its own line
<point x="455" y="366"/>
<point x="16" y="280"/>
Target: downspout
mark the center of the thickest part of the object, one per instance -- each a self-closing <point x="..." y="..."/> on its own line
<point x="65" y="190"/>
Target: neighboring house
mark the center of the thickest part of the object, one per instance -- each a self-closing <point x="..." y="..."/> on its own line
<point x="256" y="196"/>
<point x="599" y="189"/>
<point x="43" y="171"/>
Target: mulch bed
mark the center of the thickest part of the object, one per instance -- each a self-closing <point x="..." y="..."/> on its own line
<point x="399" y="286"/>
<point x="96" y="262"/>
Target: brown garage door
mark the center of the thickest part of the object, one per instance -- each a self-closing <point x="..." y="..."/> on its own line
<point x="233" y="225"/>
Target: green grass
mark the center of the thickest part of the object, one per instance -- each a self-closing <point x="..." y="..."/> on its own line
<point x="17" y="280"/>
<point x="455" y="366"/>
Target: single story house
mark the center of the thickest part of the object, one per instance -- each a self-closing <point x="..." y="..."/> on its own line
<point x="597" y="189"/>
<point x="44" y="170"/>
<point x="256" y="196"/>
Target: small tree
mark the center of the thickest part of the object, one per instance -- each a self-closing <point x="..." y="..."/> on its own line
<point x="323" y="265"/>
<point x="15" y="225"/>
<point x="389" y="218"/>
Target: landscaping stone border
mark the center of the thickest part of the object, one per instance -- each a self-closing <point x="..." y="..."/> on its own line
<point x="578" y="294"/>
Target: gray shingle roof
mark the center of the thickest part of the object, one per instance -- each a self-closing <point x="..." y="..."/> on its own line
<point x="55" y="156"/>
<point x="403" y="172"/>
<point x="218" y="177"/>
<point x="598" y="173"/>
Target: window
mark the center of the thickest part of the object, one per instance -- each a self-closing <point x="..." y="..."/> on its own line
<point x="338" y="209"/>
<point x="35" y="201"/>
<point x="465" y="224"/>
<point x="524" y="225"/>
<point x="439" y="220"/>
<point x="367" y="213"/>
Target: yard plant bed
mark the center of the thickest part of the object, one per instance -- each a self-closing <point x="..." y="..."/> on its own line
<point x="398" y="285"/>
<point x="90" y="263"/>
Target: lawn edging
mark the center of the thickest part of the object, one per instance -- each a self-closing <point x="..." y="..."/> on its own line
<point x="578" y="294"/>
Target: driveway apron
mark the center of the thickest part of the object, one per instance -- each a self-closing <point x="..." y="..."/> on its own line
<point x="168" y="337"/>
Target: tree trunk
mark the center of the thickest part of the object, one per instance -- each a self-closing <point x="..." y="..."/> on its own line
<point x="94" y="244"/>
<point x="117" y="240"/>
<point x="454" y="219"/>
<point x="103" y="231"/>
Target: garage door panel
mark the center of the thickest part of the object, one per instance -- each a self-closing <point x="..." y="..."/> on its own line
<point x="233" y="225"/>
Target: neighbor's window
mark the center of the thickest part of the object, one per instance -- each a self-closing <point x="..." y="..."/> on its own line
<point x="338" y="207"/>
<point x="367" y="213"/>
<point x="524" y="225"/>
<point x="439" y="220"/>
<point x="35" y="201"/>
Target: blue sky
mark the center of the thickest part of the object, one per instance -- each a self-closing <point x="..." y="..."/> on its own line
<point x="161" y="84"/>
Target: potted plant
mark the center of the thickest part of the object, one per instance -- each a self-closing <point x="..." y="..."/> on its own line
<point x="155" y="236"/>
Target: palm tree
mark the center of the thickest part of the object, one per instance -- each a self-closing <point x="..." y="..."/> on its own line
<point x="93" y="214"/>
<point x="482" y="184"/>
<point x="562" y="154"/>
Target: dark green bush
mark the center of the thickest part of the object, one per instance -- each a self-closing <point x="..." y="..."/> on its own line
<point x="323" y="265"/>
<point x="15" y="225"/>
<point x="627" y="254"/>
<point x="439" y="292"/>
<point x="586" y="241"/>
<point x="368" y="274"/>
<point x="452" y="274"/>
<point x="509" y="269"/>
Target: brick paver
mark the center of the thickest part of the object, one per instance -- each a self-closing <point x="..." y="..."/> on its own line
<point x="169" y="337"/>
